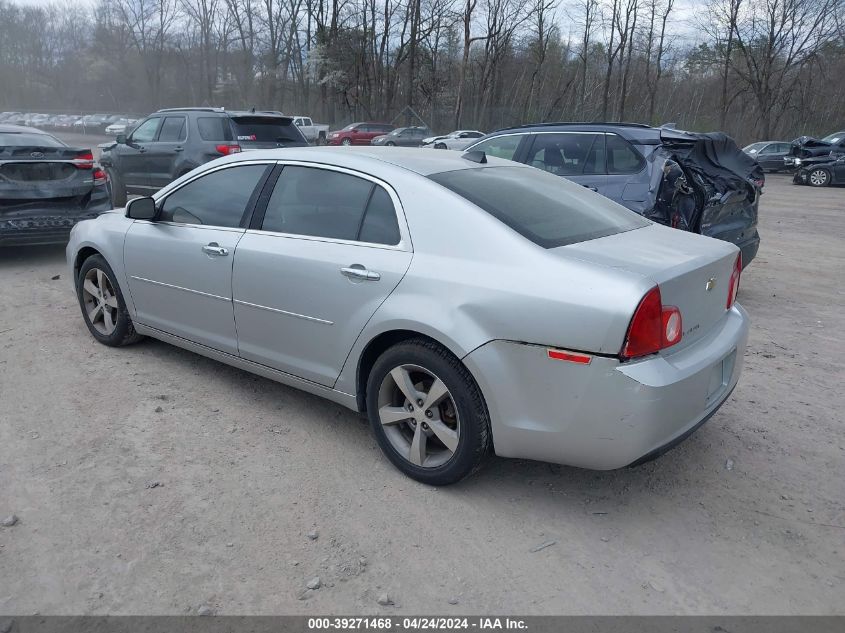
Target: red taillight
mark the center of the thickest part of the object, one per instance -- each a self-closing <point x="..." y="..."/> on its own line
<point x="100" y="177"/>
<point x="84" y="159"/>
<point x="653" y="327"/>
<point x="733" y="286"/>
<point x="228" y="149"/>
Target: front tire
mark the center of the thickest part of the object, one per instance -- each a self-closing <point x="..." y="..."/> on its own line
<point x="439" y="146"/>
<point x="346" y="141"/>
<point x="427" y="413"/>
<point x="819" y="178"/>
<point x="103" y="308"/>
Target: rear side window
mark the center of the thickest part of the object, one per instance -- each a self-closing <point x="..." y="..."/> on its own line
<point x="29" y="140"/>
<point x="324" y="203"/>
<point x="568" y="154"/>
<point x="266" y="130"/>
<point x="379" y="225"/>
<point x="172" y="130"/>
<point x="547" y="210"/>
<point x="214" y="128"/>
<point x="621" y="157"/>
<point x="217" y="199"/>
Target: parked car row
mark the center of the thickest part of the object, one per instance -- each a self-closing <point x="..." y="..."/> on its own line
<point x="815" y="162"/>
<point x="108" y="123"/>
<point x="372" y="133"/>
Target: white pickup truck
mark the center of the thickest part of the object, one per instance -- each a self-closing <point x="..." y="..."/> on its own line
<point x="313" y="132"/>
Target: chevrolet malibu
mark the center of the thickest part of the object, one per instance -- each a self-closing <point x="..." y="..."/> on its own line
<point x="467" y="305"/>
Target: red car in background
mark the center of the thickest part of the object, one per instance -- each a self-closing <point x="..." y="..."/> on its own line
<point x="359" y="133"/>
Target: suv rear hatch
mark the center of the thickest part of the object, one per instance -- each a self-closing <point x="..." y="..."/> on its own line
<point x="266" y="132"/>
<point x="707" y="185"/>
<point x="693" y="274"/>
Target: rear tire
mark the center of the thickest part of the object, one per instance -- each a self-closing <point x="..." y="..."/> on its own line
<point x="452" y="408"/>
<point x="818" y="178"/>
<point x="117" y="189"/>
<point x="103" y="308"/>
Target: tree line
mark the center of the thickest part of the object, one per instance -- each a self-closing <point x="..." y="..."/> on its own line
<point x="757" y="69"/>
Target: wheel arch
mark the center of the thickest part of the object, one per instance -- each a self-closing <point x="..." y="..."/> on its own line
<point x="81" y="255"/>
<point x="377" y="346"/>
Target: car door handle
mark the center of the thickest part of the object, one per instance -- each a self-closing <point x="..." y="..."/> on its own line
<point x="215" y="249"/>
<point x="590" y="187"/>
<point x="356" y="271"/>
<point x="178" y="149"/>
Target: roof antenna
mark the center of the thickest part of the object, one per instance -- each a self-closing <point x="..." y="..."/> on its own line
<point x="476" y="156"/>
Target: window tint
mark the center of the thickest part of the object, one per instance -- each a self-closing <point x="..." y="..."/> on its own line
<point x="214" y="128"/>
<point x="146" y="132"/>
<point x="317" y="202"/>
<point x="380" y="225"/>
<point x="266" y="130"/>
<point x="568" y="154"/>
<point x="547" y="210"/>
<point x="500" y="146"/>
<point x="621" y="157"/>
<point x="218" y="199"/>
<point x="172" y="130"/>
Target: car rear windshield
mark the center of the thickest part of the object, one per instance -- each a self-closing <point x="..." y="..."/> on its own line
<point x="266" y="130"/>
<point x="547" y="209"/>
<point x="28" y="140"/>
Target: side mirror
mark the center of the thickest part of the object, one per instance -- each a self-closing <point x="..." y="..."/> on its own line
<point x="121" y="139"/>
<point x="141" y="209"/>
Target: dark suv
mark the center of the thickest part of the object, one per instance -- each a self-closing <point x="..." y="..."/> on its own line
<point x="701" y="183"/>
<point x="170" y="143"/>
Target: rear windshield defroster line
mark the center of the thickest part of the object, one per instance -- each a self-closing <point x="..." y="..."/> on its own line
<point x="544" y="208"/>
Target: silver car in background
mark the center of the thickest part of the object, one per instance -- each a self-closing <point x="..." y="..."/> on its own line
<point x="468" y="305"/>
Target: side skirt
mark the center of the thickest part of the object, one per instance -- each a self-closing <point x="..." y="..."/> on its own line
<point x="345" y="399"/>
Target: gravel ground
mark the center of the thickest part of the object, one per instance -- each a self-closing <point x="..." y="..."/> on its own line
<point x="151" y="480"/>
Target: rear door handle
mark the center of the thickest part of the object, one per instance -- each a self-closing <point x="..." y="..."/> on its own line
<point x="178" y="149"/>
<point x="215" y="249"/>
<point x="590" y="187"/>
<point x="356" y="271"/>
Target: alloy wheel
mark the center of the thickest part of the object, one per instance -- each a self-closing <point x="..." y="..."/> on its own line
<point x="419" y="416"/>
<point x="818" y="177"/>
<point x="100" y="301"/>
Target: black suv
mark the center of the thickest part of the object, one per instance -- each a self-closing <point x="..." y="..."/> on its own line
<point x="170" y="143"/>
<point x="701" y="183"/>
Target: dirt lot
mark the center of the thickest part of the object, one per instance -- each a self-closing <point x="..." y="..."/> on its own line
<point x="746" y="516"/>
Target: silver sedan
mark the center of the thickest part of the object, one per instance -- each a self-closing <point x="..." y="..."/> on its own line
<point x="468" y="305"/>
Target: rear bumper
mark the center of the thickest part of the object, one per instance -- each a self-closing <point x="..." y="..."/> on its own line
<point x="607" y="414"/>
<point x="48" y="225"/>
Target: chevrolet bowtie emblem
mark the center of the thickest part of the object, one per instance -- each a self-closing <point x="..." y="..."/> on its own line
<point x="711" y="283"/>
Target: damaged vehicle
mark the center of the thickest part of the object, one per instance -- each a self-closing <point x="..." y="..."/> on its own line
<point x="46" y="187"/>
<point x="702" y="183"/>
<point x="806" y="150"/>
<point x="830" y="171"/>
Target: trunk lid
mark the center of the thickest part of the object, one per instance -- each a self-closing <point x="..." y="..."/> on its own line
<point x="693" y="272"/>
<point x="33" y="174"/>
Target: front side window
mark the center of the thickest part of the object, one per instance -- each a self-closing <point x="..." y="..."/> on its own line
<point x="146" y="132"/>
<point x="172" y="130"/>
<point x="500" y="146"/>
<point x="568" y="154"/>
<point x="217" y="199"/>
<point x="543" y="208"/>
<point x="329" y="204"/>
